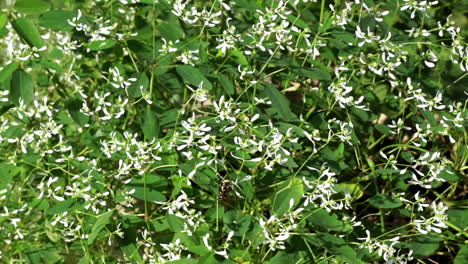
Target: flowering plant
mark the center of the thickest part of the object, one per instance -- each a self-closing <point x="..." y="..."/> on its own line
<point x="233" y="131"/>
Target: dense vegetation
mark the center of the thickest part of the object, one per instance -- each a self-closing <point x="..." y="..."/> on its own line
<point x="242" y="131"/>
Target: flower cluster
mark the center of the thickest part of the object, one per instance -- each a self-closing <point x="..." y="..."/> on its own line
<point x="189" y="131"/>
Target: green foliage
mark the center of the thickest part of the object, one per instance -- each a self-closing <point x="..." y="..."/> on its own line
<point x="247" y="131"/>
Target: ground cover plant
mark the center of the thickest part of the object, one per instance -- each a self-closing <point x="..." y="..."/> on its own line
<point x="243" y="131"/>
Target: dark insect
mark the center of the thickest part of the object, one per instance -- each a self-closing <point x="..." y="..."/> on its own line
<point x="225" y="189"/>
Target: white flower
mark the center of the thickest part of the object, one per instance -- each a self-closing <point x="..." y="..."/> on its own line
<point x="200" y="94"/>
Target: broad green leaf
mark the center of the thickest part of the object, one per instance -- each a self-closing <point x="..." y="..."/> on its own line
<point x="346" y="254"/>
<point x="8" y="171"/>
<point x="279" y="103"/>
<point x="226" y="84"/>
<point x="21" y="87"/>
<point x="458" y="217"/>
<point x="101" y="222"/>
<point x="381" y="91"/>
<point x="171" y="32"/>
<point x="239" y="57"/>
<point x="28" y="32"/>
<point x="290" y="163"/>
<point x="255" y="234"/>
<point x="84" y="260"/>
<point x="424" y="246"/>
<point x="3" y="20"/>
<point x="214" y="213"/>
<point x="32" y="6"/>
<point x="131" y="252"/>
<point x="57" y="19"/>
<point x="238" y="222"/>
<point x="383" y="129"/>
<point x="291" y="190"/>
<point x="384" y="202"/>
<point x="283" y="257"/>
<point x="329" y="221"/>
<point x="73" y="107"/>
<point x="150" y="124"/>
<point x="193" y="76"/>
<point x="354" y="189"/>
<point x="45" y="253"/>
<point x="176" y="224"/>
<point x="344" y="36"/>
<point x="7" y="71"/>
<point x="164" y="63"/>
<point x="316" y="74"/>
<point x="296" y="21"/>
<point x="101" y="44"/>
<point x="168" y="118"/>
<point x="151" y="195"/>
<point x="462" y="255"/>
<point x="152" y="180"/>
<point x="39" y="204"/>
<point x="450" y="176"/>
<point x="51" y="65"/>
<point x="63" y="206"/>
<point x="337" y="246"/>
<point x="142" y="83"/>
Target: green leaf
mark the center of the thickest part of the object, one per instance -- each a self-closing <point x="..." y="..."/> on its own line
<point x="286" y="257"/>
<point x="354" y="189"/>
<point x="57" y="19"/>
<point x="346" y="254"/>
<point x="327" y="23"/>
<point x="176" y="223"/>
<point x="383" y="129"/>
<point x="8" y="172"/>
<point x="462" y="255"/>
<point x="193" y="76"/>
<point x="63" y="206"/>
<point x="73" y="108"/>
<point x="315" y="74"/>
<point x="384" y="202"/>
<point x="101" y="44"/>
<point x="329" y="221"/>
<point x="337" y="247"/>
<point x="131" y="252"/>
<point x="142" y="83"/>
<point x="344" y="36"/>
<point x="28" y="32"/>
<point x="424" y="246"/>
<point x="226" y="83"/>
<point x="21" y="87"/>
<point x="151" y="195"/>
<point x="31" y="6"/>
<point x="280" y="103"/>
<point x="458" y="217"/>
<point x="84" y="260"/>
<point x="296" y="21"/>
<point x="239" y="57"/>
<point x="7" y="71"/>
<point x="214" y="213"/>
<point x="150" y="124"/>
<point x="238" y="222"/>
<point x="171" y="32"/>
<point x="381" y="91"/>
<point x="3" y="20"/>
<point x="101" y="222"/>
<point x="51" y="65"/>
<point x="292" y="189"/>
<point x="168" y="118"/>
